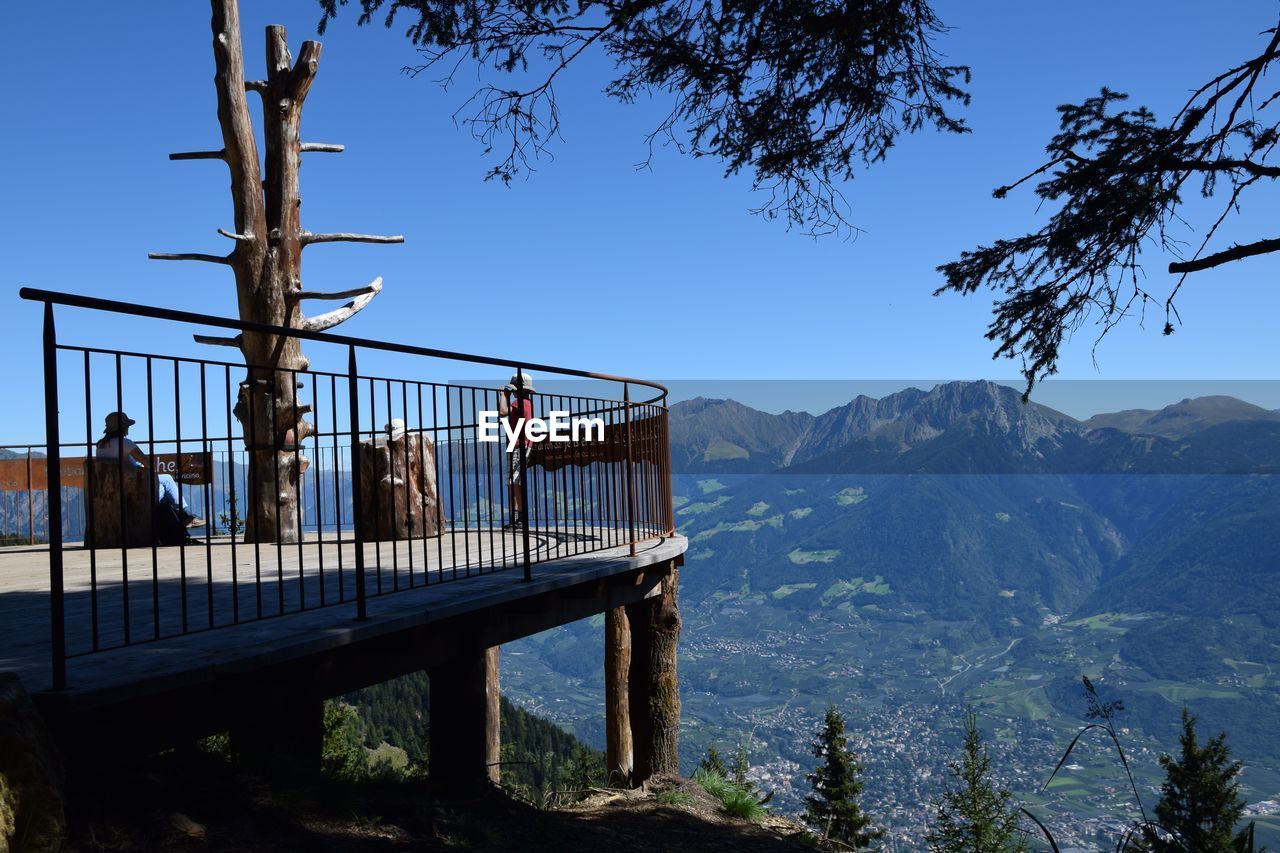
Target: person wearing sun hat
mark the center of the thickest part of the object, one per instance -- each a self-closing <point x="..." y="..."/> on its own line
<point x="115" y="443"/>
<point x="515" y="403"/>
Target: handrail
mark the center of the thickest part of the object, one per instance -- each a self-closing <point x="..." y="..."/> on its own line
<point x="98" y="304"/>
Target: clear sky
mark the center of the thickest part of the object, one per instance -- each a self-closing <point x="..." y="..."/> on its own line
<point x="590" y="262"/>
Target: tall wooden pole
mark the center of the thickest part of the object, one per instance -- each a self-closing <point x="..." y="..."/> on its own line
<point x="619" y="757"/>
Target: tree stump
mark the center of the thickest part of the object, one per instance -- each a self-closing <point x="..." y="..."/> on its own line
<point x="117" y="489"/>
<point x="398" y="493"/>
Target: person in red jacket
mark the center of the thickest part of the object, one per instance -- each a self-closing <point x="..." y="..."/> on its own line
<point x="515" y="403"/>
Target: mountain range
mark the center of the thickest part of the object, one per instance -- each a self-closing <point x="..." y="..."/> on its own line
<point x="974" y="427"/>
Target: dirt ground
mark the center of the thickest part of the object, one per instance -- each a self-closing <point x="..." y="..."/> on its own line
<point x="193" y="803"/>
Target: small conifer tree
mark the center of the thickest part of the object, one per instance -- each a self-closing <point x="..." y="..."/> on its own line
<point x="832" y="809"/>
<point x="714" y="762"/>
<point x="1200" y="803"/>
<point x="975" y="816"/>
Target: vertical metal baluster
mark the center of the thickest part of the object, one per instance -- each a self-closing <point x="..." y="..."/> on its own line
<point x="488" y="484"/>
<point x="299" y="489"/>
<point x="421" y="441"/>
<point x="177" y="427"/>
<point x="453" y="515"/>
<point x="233" y="511"/>
<point x="504" y="507"/>
<point x="90" y="529"/>
<point x="475" y="443"/>
<point x="666" y="463"/>
<point x="356" y="485"/>
<point x="206" y="455"/>
<point x="276" y="447"/>
<point x="462" y="452"/>
<point x="550" y="516"/>
<point x="391" y="514"/>
<point x="408" y="485"/>
<point x="338" y="505"/>
<point x="524" y="480"/>
<point x="53" y="453"/>
<point x="631" y="491"/>
<point x="315" y="487"/>
<point x="435" y="460"/>
<point x="253" y="476"/>
<point x="352" y="384"/>
<point x="31" y="503"/>
<point x="151" y="515"/>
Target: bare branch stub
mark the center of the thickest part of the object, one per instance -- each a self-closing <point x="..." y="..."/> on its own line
<point x="1116" y="179"/>
<point x="189" y="256"/>
<point x="329" y="319"/>
<point x="372" y="287"/>
<point x="346" y="237"/>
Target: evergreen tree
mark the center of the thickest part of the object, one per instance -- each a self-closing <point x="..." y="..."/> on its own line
<point x="976" y="817"/>
<point x="740" y="768"/>
<point x="714" y="762"/>
<point x="1200" y="801"/>
<point x="832" y="809"/>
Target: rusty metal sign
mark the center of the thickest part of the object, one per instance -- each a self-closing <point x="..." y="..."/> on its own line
<point x="22" y="475"/>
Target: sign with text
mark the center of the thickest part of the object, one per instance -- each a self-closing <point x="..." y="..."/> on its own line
<point x="16" y="475"/>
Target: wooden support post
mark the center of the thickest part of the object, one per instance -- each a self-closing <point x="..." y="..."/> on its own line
<point x="464" y="725"/>
<point x="652" y="686"/>
<point x="619" y="760"/>
<point x="284" y="735"/>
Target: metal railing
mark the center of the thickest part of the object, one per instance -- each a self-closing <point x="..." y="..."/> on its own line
<point x="380" y="484"/>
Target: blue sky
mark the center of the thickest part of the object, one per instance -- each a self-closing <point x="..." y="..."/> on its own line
<point x="590" y="262"/>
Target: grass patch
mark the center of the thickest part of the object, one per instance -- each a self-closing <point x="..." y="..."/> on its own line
<point x="758" y="509"/>
<point x="790" y="588"/>
<point x="801" y="512"/>
<point x="850" y="496"/>
<point x="1099" y="621"/>
<point x="747" y="525"/>
<point x="735" y="799"/>
<point x="800" y="557"/>
<point x="719" y="449"/>
<point x="699" y="507"/>
<point x="1178" y="693"/>
<point x="673" y="798"/>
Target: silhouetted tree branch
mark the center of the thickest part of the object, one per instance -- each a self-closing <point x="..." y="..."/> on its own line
<point x="798" y="94"/>
<point x="1117" y="177"/>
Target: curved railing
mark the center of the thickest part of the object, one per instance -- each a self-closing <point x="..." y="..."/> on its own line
<point x="396" y="486"/>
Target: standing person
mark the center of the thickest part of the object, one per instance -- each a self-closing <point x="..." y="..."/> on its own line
<point x="115" y="442"/>
<point x="515" y="403"/>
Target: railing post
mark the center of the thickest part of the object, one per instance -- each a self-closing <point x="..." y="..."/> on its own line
<point x="665" y="455"/>
<point x="524" y="477"/>
<point x="53" y="503"/>
<point x="31" y="502"/>
<point x="356" y="502"/>
<point x="631" y="486"/>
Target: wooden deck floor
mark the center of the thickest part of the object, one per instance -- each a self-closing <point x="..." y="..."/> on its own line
<point x="281" y="596"/>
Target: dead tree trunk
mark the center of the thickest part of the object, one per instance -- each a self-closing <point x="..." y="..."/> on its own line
<point x="267" y="262"/>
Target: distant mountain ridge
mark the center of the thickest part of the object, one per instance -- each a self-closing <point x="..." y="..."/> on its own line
<point x="974" y="427"/>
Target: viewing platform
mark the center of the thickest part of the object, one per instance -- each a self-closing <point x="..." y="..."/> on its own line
<point x="371" y="533"/>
